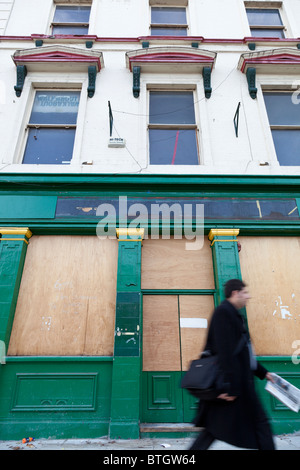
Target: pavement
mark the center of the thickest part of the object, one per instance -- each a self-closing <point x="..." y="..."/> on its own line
<point x="164" y="445"/>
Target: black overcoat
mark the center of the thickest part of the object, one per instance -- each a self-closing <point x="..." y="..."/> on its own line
<point x="232" y="422"/>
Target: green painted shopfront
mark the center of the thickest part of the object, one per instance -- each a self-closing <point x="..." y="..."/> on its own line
<point x="96" y="331"/>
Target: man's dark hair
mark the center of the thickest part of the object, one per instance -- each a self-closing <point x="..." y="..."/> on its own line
<point x="232" y="285"/>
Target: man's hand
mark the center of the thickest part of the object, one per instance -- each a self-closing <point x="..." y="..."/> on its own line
<point x="269" y="376"/>
<point x="225" y="396"/>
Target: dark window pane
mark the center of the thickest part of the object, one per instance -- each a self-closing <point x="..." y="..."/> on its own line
<point x="214" y="208"/>
<point x="281" y="109"/>
<point x="72" y="14"/>
<point x="167" y="107"/>
<point x="287" y="145"/>
<point x="173" y="147"/>
<point x="168" y="15"/>
<point x="55" y="107"/>
<point x="49" y="146"/>
<point x="63" y="29"/>
<point x="267" y="33"/>
<point x="263" y="17"/>
<point x="168" y="31"/>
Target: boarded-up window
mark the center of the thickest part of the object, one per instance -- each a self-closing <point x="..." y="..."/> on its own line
<point x="270" y="267"/>
<point x="168" y="264"/>
<point x="66" y="303"/>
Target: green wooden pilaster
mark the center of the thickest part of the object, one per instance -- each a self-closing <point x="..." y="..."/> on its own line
<point x="125" y="398"/>
<point x="226" y="262"/>
<point x="13" y="247"/>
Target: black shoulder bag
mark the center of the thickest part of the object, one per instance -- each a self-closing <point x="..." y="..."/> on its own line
<point x="204" y="378"/>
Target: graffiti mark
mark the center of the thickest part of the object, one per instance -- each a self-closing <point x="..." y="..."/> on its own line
<point x="282" y="311"/>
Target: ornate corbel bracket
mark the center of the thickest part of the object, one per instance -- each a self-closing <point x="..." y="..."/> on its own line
<point x="206" y="73"/>
<point x="251" y="77"/>
<point x="92" y="73"/>
<point x="136" y="71"/>
<point x="21" y="74"/>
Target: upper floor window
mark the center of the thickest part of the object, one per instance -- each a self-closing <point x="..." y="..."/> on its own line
<point x="265" y="22"/>
<point x="71" y="19"/>
<point x="168" y="21"/>
<point x="51" y="128"/>
<point x="173" y="138"/>
<point x="284" y="118"/>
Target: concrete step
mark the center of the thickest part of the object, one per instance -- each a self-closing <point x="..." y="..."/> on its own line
<point x="168" y="427"/>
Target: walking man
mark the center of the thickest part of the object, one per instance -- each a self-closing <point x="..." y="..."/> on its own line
<point x="236" y="416"/>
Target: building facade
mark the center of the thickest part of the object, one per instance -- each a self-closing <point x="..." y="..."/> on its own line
<point x="150" y="151"/>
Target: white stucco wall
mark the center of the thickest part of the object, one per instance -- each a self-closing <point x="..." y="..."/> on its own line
<point x="5" y="11"/>
<point x="124" y="21"/>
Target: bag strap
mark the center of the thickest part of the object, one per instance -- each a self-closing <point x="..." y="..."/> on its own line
<point x="243" y="340"/>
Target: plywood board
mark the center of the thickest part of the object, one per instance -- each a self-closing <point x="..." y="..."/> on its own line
<point x="161" y="348"/>
<point x="66" y="303"/>
<point x="167" y="264"/>
<point x="195" y="314"/>
<point x="270" y="267"/>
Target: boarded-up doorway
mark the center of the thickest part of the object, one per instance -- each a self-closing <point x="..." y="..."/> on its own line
<point x="178" y="300"/>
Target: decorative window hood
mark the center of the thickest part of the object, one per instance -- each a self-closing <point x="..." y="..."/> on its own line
<point x="276" y="61"/>
<point x="284" y="60"/>
<point x="59" y="59"/>
<point x="170" y="59"/>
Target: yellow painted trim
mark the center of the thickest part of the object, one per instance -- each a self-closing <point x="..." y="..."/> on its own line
<point x="126" y="234"/>
<point x="223" y="232"/>
<point x="15" y="240"/>
<point x="16" y="231"/>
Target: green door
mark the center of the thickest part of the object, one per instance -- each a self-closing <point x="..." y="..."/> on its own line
<point x="174" y="333"/>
